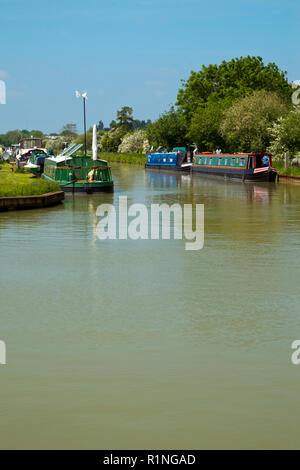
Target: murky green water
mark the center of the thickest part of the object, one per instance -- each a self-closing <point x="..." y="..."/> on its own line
<point x="142" y="344"/>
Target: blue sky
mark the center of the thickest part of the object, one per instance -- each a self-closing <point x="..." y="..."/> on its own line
<point x="127" y="53"/>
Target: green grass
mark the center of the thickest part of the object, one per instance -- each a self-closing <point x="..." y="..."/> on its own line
<point x="19" y="183"/>
<point x="135" y="158"/>
<point x="291" y="171"/>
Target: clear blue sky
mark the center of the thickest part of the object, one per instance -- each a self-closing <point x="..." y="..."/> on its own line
<point x="127" y="52"/>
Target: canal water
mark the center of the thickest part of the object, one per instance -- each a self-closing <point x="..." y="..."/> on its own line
<point x="143" y="344"/>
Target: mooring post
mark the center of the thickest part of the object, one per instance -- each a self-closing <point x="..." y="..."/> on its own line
<point x="286" y="160"/>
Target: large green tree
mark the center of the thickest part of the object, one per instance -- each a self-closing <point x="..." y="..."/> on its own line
<point x="246" y="123"/>
<point x="169" y="130"/>
<point x="204" y="127"/>
<point x="231" y="80"/>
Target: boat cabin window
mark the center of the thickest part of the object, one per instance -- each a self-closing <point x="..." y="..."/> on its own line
<point x="226" y="160"/>
<point x="210" y="160"/>
<point x="259" y="161"/>
<point x="220" y="161"/>
<point x="232" y="161"/>
<point x="242" y="161"/>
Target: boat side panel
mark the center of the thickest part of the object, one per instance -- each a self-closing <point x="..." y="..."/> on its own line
<point x="248" y="175"/>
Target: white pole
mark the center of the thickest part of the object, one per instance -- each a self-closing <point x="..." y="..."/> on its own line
<point x="94" y="146"/>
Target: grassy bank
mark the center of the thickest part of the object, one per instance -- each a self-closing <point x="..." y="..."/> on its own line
<point x="17" y="183"/>
<point x="291" y="171"/>
<point x="135" y="158"/>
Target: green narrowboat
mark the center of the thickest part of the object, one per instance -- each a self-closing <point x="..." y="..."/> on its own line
<point x="244" y="166"/>
<point x="78" y="173"/>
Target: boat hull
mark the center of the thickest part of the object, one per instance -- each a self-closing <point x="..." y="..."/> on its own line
<point x="257" y="174"/>
<point x="185" y="168"/>
<point x="88" y="188"/>
<point x="84" y="187"/>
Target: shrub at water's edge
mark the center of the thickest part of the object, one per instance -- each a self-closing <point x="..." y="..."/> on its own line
<point x="291" y="171"/>
<point x="135" y="158"/>
<point x="23" y="184"/>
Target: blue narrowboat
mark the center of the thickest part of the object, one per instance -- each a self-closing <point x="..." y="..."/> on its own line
<point x="244" y="166"/>
<point x="176" y="160"/>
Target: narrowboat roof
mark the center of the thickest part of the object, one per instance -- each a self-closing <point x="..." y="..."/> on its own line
<point x="214" y="154"/>
<point x="59" y="159"/>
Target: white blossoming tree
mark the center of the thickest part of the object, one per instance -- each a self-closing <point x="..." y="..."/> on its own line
<point x="135" y="142"/>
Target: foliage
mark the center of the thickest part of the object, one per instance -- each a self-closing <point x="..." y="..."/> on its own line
<point x="125" y="118"/>
<point x="36" y="134"/>
<point x="246" y="122"/>
<point x="14" y="136"/>
<point x="89" y="139"/>
<point x="113" y="124"/>
<point x="169" y="130"/>
<point x="100" y="126"/>
<point x="110" y="142"/>
<point x="204" y="129"/>
<point x="124" y="158"/>
<point x="278" y="163"/>
<point x="69" y="130"/>
<point x="57" y="145"/>
<point x="137" y="124"/>
<point x="285" y="134"/>
<point x="231" y="80"/>
<point x="135" y="142"/>
<point x="276" y="147"/>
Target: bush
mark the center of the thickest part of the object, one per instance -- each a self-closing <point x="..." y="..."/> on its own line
<point x="135" y="142"/>
<point x="110" y="143"/>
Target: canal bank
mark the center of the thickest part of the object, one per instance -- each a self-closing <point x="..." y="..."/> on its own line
<point x="10" y="203"/>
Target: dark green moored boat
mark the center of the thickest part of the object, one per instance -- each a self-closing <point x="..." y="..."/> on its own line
<point x="78" y="173"/>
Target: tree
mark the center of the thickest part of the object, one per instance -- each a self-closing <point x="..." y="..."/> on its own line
<point x="80" y="139"/>
<point x="113" y="124"/>
<point x="231" y="80"/>
<point x="100" y="126"/>
<point x="134" y="142"/>
<point x="12" y="137"/>
<point x="285" y="134"/>
<point x="125" y="119"/>
<point x="246" y="123"/>
<point x="35" y="133"/>
<point x="137" y="124"/>
<point x="110" y="143"/>
<point x="169" y="130"/>
<point x="204" y="128"/>
<point x="69" y="130"/>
